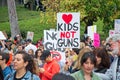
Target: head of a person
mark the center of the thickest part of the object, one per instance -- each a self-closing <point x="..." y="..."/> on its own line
<point x="67" y="52"/>
<point x="28" y="41"/>
<point x="4" y="58"/>
<point x="87" y="39"/>
<point x="31" y="52"/>
<point x="88" y="62"/>
<point x="102" y="57"/>
<point x="20" y="47"/>
<point x="46" y="56"/>
<point x="114" y="42"/>
<point x="23" y="60"/>
<point x="38" y="53"/>
<point x="81" y="52"/>
<point x="75" y="50"/>
<point x="62" y="76"/>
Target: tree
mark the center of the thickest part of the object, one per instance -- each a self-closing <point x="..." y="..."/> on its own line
<point x="13" y="18"/>
<point x="106" y="10"/>
<point x="91" y="11"/>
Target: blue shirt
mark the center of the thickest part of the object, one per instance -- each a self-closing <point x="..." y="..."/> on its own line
<point x="7" y="71"/>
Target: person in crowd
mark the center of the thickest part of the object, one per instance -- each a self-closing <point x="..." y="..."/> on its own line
<point x="19" y="47"/>
<point x="7" y="45"/>
<point x="50" y="68"/>
<point x="1" y="74"/>
<point x="109" y="51"/>
<point x="25" y="67"/>
<point x="31" y="52"/>
<point x="38" y="53"/>
<point x="18" y="39"/>
<point x="62" y="76"/>
<point x="103" y="59"/>
<point x="88" y="61"/>
<point x="40" y="5"/>
<point x="30" y="46"/>
<point x="88" y="42"/>
<point x="39" y="43"/>
<point x="4" y="58"/>
<point x="2" y="45"/>
<point x="68" y="63"/>
<point x="113" y="73"/>
<point x="77" y="65"/>
<point x="75" y="52"/>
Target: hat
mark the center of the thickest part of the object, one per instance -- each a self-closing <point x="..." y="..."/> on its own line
<point x="45" y="54"/>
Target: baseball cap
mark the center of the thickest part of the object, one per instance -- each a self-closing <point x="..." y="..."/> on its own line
<point x="45" y="54"/>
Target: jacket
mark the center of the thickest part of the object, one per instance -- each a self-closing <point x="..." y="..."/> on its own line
<point x="51" y="68"/>
<point x="79" y="75"/>
<point x="28" y="76"/>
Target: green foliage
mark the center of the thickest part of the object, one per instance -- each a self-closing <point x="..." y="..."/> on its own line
<point x="27" y="21"/>
<point x="99" y="12"/>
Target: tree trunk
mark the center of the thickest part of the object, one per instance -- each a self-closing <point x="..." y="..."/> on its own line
<point x="13" y="18"/>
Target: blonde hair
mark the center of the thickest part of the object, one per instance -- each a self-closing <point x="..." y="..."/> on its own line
<point x="81" y="52"/>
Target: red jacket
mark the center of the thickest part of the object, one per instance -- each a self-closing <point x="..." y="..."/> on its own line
<point x="51" y="68"/>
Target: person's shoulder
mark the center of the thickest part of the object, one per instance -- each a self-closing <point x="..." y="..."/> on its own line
<point x="31" y="75"/>
<point x="96" y="77"/>
<point x="76" y="73"/>
<point x="9" y="76"/>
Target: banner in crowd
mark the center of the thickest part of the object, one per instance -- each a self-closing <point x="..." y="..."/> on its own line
<point x="50" y="43"/>
<point x="111" y="33"/>
<point x="2" y="37"/>
<point x="30" y="35"/>
<point x="91" y="30"/>
<point x="68" y="27"/>
<point x="96" y="41"/>
<point x="58" y="56"/>
<point x="50" y="40"/>
<point x="117" y="25"/>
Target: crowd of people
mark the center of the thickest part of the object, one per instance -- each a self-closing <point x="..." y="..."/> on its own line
<point x="22" y="60"/>
<point x="33" y="5"/>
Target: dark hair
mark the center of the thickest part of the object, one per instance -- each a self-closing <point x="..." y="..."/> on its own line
<point x="86" y="39"/>
<point x="87" y="55"/>
<point x="5" y="56"/>
<point x="28" y="58"/>
<point x="36" y="52"/>
<point x="101" y="52"/>
<point x="1" y="74"/>
<point x="62" y="76"/>
<point x="45" y="54"/>
<point x="76" y="50"/>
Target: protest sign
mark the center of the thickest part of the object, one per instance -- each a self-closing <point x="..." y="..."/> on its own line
<point x="90" y="31"/>
<point x="50" y="40"/>
<point x="30" y="35"/>
<point x="50" y="43"/>
<point x="58" y="56"/>
<point x="68" y="30"/>
<point x="117" y="26"/>
<point x="96" y="41"/>
<point x="111" y="33"/>
<point x="2" y="37"/>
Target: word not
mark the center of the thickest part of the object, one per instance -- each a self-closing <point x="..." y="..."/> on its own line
<point x="67" y="34"/>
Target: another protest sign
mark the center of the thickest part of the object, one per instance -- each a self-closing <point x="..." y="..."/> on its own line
<point x="68" y="27"/>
